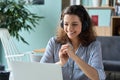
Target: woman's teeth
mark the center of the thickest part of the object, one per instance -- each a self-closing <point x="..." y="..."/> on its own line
<point x="71" y="32"/>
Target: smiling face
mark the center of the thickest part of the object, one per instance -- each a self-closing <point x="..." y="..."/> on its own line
<point x="72" y="26"/>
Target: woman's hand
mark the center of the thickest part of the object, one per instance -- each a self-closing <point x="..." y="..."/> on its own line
<point x="65" y="52"/>
<point x="63" y="55"/>
<point x="70" y="51"/>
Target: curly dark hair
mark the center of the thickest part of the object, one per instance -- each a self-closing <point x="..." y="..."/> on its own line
<point x="87" y="34"/>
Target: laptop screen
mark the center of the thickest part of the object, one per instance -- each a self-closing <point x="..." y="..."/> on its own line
<point x="35" y="71"/>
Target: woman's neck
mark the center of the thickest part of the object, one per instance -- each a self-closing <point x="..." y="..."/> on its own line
<point x="75" y="43"/>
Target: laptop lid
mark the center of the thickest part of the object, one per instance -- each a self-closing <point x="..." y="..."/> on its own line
<point x="35" y="71"/>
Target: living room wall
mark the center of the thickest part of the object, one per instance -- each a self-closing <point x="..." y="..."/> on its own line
<point x="46" y="28"/>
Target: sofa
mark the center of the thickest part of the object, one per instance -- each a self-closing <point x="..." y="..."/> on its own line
<point x="110" y="52"/>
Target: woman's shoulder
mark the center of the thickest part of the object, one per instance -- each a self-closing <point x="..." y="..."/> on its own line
<point x="95" y="43"/>
<point x="52" y="42"/>
<point x="53" y="39"/>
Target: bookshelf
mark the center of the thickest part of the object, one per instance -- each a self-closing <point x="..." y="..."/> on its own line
<point x="102" y="31"/>
<point x="115" y="24"/>
<point x="101" y="7"/>
<point x="105" y="30"/>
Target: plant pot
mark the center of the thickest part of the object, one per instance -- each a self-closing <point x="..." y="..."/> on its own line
<point x="96" y="3"/>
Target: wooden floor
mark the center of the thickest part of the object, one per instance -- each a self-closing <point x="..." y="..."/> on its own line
<point x="113" y="76"/>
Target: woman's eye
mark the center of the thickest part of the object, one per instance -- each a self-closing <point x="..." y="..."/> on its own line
<point x="66" y="24"/>
<point x="74" y="24"/>
<point x="70" y="24"/>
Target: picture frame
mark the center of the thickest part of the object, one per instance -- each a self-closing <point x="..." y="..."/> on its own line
<point x="95" y="20"/>
<point x="38" y="2"/>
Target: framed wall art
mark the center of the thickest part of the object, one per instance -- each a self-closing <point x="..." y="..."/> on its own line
<point x="41" y="2"/>
<point x="38" y="2"/>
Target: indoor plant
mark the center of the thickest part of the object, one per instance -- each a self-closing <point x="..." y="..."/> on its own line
<point x="16" y="17"/>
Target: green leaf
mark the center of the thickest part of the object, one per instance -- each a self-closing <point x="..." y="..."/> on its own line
<point x="16" y="17"/>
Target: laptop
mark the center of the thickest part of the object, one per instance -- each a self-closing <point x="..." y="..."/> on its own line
<point x="35" y="71"/>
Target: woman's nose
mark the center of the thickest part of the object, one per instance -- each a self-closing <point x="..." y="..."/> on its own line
<point x="70" y="27"/>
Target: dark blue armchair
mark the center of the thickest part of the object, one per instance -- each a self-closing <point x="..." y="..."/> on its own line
<point x="111" y="54"/>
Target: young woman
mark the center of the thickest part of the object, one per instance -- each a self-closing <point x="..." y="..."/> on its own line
<point x="75" y="47"/>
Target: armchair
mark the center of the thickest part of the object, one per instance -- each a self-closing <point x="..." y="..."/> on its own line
<point x="10" y="50"/>
<point x="110" y="52"/>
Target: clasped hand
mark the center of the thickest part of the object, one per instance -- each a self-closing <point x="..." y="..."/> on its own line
<point x="65" y="52"/>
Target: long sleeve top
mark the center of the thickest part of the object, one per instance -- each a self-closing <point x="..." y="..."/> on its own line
<point x="91" y="54"/>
